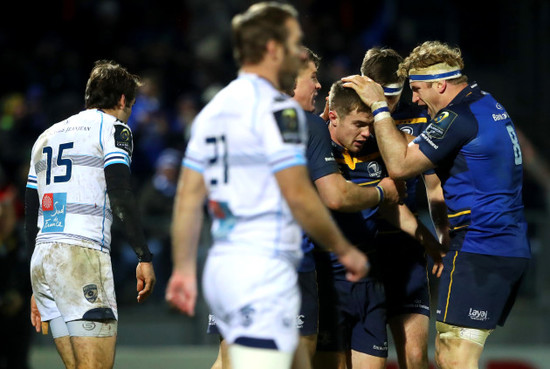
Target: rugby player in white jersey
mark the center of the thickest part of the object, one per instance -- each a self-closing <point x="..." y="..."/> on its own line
<point x="79" y="178"/>
<point x="246" y="157"/>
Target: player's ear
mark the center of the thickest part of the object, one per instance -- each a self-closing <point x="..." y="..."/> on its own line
<point x="441" y="86"/>
<point x="274" y="49"/>
<point x="122" y="102"/>
<point x="333" y="116"/>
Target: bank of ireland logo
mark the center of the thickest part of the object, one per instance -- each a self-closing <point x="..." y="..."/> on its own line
<point x="90" y="292"/>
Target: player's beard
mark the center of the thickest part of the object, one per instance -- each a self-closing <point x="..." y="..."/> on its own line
<point x="289" y="71"/>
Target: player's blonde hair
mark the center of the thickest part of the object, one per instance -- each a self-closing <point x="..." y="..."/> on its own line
<point x="430" y="53"/>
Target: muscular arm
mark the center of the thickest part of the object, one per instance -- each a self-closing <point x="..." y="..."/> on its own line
<point x="186" y="226"/>
<point x="339" y="194"/>
<point x="187" y="220"/>
<point x="437" y="207"/>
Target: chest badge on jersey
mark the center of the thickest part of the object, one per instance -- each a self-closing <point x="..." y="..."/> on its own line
<point x="54" y="209"/>
<point x="287" y="121"/>
<point x="440" y="124"/>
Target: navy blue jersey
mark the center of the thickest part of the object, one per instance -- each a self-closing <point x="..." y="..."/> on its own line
<point x="411" y="119"/>
<point x="320" y="163"/>
<point x="474" y="146"/>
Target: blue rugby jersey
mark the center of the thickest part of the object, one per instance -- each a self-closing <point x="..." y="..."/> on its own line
<point x="474" y="145"/>
<point x="320" y="163"/>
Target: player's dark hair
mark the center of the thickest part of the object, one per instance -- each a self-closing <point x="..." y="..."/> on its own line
<point x="381" y="64"/>
<point x="252" y="30"/>
<point x="107" y="83"/>
<point x="345" y="100"/>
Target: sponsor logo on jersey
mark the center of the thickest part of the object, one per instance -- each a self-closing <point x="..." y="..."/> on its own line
<point x="502" y="116"/>
<point x="47" y="202"/>
<point x="481" y="315"/>
<point x="90" y="292"/>
<point x="54" y="213"/>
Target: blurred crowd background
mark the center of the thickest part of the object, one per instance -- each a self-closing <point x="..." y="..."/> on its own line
<point x="182" y="49"/>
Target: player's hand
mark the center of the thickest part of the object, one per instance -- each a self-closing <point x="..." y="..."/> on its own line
<point x="368" y="90"/>
<point x="181" y="292"/>
<point x="145" y="275"/>
<point x="324" y="115"/>
<point x="436" y="251"/>
<point x="36" y="319"/>
<point x="394" y="191"/>
<point x="356" y="264"/>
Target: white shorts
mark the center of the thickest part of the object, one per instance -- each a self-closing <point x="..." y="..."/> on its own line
<point x="73" y="282"/>
<point x="255" y="299"/>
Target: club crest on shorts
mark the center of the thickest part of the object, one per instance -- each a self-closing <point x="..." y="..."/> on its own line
<point x="90" y="292"/>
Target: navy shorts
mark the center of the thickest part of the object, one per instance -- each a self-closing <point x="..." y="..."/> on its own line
<point x="307" y="319"/>
<point x="478" y="291"/>
<point x="404" y="275"/>
<point x="352" y="315"/>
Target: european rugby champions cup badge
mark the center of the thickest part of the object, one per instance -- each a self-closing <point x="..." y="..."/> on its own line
<point x="54" y="209"/>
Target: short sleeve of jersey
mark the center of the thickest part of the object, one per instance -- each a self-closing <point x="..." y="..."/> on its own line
<point x="320" y="159"/>
<point x="445" y="135"/>
<point x="284" y="135"/>
<point x="117" y="143"/>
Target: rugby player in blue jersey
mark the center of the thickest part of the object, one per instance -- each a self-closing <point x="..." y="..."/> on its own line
<point x="359" y="336"/>
<point x="472" y="144"/>
<point x="405" y="279"/>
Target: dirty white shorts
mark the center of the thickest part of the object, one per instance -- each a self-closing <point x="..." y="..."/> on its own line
<point x="73" y="282"/>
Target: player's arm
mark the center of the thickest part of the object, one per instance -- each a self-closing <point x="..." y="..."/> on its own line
<point x="315" y="219"/>
<point x="401" y="217"/>
<point x="402" y="160"/>
<point x="339" y="194"/>
<point x="124" y="206"/>
<point x="186" y="226"/>
<point x="437" y="207"/>
<point x="32" y="203"/>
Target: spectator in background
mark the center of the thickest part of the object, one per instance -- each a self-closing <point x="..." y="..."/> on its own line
<point x="156" y="201"/>
<point x="14" y="281"/>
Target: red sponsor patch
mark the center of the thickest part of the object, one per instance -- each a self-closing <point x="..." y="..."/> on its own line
<point x="47" y="202"/>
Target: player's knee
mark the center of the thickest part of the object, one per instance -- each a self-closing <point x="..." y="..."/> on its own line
<point x="417" y="358"/>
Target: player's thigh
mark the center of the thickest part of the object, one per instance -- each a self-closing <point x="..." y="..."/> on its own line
<point x="361" y="360"/>
<point x="65" y="350"/>
<point x="410" y="329"/>
<point x="94" y="352"/>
